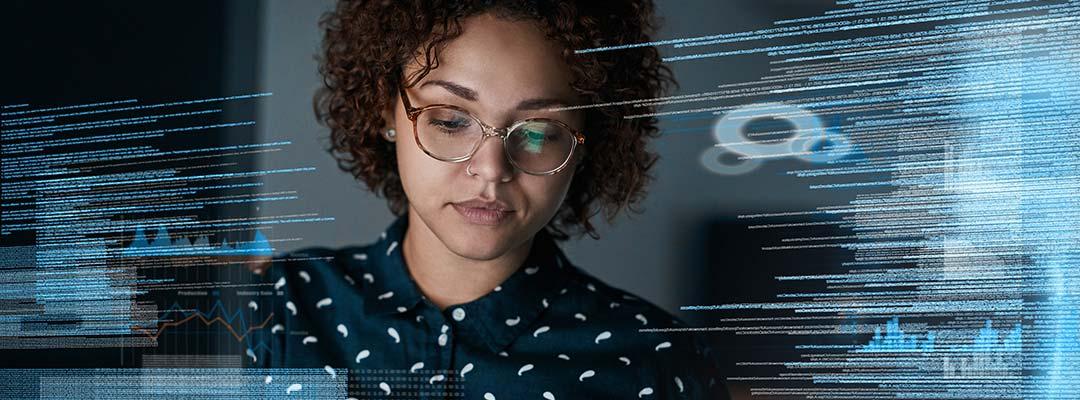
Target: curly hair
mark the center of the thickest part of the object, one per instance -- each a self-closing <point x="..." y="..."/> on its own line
<point x="366" y="45"/>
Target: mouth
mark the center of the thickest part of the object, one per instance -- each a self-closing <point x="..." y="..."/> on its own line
<point x="479" y="212"/>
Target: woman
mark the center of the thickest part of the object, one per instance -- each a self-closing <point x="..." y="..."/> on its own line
<point x="464" y="116"/>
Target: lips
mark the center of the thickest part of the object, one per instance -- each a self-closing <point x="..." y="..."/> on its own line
<point x="491" y="205"/>
<point x="482" y="212"/>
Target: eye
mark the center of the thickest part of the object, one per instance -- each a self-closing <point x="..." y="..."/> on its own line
<point x="545" y="134"/>
<point x="446" y="120"/>
<point x="450" y="125"/>
<point x="535" y="135"/>
<point x="534" y="139"/>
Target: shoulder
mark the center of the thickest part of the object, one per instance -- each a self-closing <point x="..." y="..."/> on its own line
<point x="315" y="271"/>
<point x="299" y="290"/>
<point x="676" y="355"/>
<point x="310" y="281"/>
<point x="613" y="304"/>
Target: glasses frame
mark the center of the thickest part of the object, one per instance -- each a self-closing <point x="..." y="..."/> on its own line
<point x="503" y="133"/>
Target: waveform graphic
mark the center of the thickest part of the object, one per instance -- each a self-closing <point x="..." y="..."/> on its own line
<point x="895" y="340"/>
<point x="991" y="354"/>
<point x="163" y="245"/>
<point x="987" y="340"/>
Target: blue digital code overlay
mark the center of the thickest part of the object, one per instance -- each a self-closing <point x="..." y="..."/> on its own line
<point x="131" y="223"/>
<point x="951" y="128"/>
<point x="174" y="383"/>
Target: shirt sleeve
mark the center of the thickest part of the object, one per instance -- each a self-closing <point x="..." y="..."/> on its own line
<point x="265" y="339"/>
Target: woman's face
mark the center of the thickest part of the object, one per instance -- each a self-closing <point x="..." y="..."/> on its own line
<point x="501" y="71"/>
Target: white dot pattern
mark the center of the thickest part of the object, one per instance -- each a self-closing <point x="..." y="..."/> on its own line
<point x="548" y="331"/>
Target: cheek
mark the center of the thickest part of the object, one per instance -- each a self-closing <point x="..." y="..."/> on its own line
<point x="546" y="192"/>
<point x="422" y="177"/>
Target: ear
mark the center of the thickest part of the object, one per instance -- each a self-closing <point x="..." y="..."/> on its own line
<point x="388" y="112"/>
<point x="389" y="118"/>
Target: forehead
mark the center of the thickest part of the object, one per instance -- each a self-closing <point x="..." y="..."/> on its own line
<point x="503" y="60"/>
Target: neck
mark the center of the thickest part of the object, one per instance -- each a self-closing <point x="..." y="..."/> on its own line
<point x="447" y="278"/>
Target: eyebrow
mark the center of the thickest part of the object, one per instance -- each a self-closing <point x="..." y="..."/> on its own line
<point x="471" y="95"/>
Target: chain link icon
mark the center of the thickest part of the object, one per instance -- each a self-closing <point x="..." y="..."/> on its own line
<point x="811" y="140"/>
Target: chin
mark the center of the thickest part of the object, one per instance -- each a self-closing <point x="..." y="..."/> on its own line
<point x="477" y="246"/>
<point x="480" y="242"/>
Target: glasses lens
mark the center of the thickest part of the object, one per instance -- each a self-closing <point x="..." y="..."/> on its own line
<point x="447" y="133"/>
<point x="539" y="146"/>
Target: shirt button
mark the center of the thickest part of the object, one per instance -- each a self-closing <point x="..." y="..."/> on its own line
<point x="458" y="314"/>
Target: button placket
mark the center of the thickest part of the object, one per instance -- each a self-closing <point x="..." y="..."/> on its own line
<point x="438" y="357"/>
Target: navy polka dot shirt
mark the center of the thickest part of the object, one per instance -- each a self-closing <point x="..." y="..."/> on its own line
<point x="550" y="331"/>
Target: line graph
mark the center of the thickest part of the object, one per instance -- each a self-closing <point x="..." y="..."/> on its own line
<point x="215" y="315"/>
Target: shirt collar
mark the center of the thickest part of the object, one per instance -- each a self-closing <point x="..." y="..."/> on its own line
<point x="492" y="321"/>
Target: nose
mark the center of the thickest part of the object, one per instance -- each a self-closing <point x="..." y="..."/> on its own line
<point x="489" y="162"/>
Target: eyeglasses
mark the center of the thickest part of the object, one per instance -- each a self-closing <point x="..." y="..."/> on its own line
<point x="536" y="146"/>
